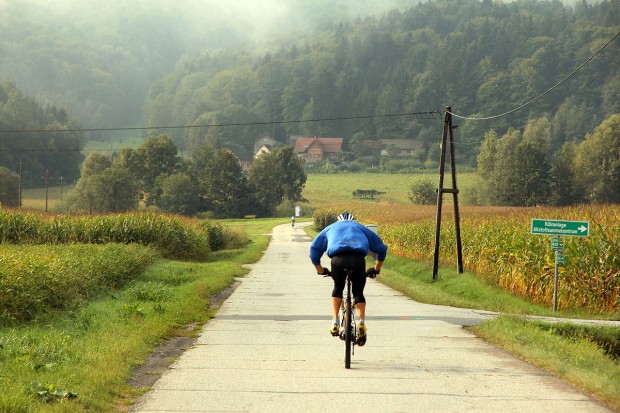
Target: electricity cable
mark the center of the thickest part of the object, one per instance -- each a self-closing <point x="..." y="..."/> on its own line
<point x="420" y="115"/>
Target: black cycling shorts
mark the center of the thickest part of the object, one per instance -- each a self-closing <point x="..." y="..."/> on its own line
<point x="357" y="263"/>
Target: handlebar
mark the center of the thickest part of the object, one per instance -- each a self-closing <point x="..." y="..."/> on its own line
<point x="370" y="273"/>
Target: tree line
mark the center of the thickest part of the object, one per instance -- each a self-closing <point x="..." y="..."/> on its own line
<point x="520" y="168"/>
<point x="154" y="176"/>
<point x="38" y="139"/>
<point x="480" y="57"/>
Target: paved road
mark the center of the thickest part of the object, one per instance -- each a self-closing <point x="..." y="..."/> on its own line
<point x="268" y="350"/>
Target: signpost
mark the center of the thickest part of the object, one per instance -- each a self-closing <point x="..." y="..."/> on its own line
<point x="559" y="228"/>
<point x="566" y="228"/>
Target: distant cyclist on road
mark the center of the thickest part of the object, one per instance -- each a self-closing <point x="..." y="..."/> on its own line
<point x="347" y="243"/>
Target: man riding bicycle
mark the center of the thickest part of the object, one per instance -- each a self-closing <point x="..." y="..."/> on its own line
<point x="347" y="243"/>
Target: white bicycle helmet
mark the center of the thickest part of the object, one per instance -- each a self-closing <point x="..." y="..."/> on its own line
<point x="345" y="216"/>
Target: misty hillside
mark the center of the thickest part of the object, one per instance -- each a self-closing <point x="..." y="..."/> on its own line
<point x="99" y="58"/>
<point x="198" y="62"/>
<point x="481" y="58"/>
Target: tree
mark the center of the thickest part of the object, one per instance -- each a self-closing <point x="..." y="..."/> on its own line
<point x="156" y="157"/>
<point x="276" y="177"/>
<point x="95" y="163"/>
<point x="514" y="170"/>
<point x="564" y="187"/>
<point x="222" y="185"/>
<point x="388" y="104"/>
<point x="111" y="190"/>
<point x="528" y="183"/>
<point x="104" y="186"/>
<point x="597" y="162"/>
<point x="218" y="136"/>
<point x="9" y="188"/>
<point x="487" y="166"/>
<point x="178" y="194"/>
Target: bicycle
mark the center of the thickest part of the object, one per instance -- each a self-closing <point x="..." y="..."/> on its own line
<point x="348" y="326"/>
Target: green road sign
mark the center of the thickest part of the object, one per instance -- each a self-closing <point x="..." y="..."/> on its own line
<point x="557" y="243"/>
<point x="559" y="257"/>
<point x="566" y="228"/>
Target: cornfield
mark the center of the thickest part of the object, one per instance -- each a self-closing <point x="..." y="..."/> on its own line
<point x="35" y="279"/>
<point x="499" y="247"/>
<point x="174" y="237"/>
<point x="50" y="261"/>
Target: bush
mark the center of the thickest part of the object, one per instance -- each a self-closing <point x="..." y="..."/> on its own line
<point x="422" y="191"/>
<point x="323" y="218"/>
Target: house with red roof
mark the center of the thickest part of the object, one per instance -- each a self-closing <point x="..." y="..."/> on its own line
<point x="319" y="149"/>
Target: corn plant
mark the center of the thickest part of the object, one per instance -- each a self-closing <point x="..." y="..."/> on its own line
<point x="38" y="279"/>
<point x="499" y="246"/>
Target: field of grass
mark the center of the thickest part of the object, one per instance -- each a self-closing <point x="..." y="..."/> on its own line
<point x="34" y="198"/>
<point x="325" y="190"/>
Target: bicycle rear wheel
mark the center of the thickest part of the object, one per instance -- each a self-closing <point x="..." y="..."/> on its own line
<point x="348" y="332"/>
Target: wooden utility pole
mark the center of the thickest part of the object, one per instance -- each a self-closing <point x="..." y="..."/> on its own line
<point x="47" y="174"/>
<point x="447" y="130"/>
<point x="20" y="184"/>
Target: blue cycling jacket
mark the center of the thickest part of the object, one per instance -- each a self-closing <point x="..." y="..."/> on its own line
<point x="346" y="236"/>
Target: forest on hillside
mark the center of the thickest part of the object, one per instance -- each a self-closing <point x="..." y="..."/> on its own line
<point x="205" y="74"/>
<point x="98" y="58"/>
<point x="482" y="58"/>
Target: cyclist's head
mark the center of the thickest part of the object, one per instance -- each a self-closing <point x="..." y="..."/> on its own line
<point x="345" y="216"/>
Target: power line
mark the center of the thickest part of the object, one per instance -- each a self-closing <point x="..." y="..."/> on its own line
<point x="419" y="115"/>
<point x="542" y="94"/>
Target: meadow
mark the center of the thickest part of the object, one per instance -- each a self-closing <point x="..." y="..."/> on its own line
<point x="324" y="190"/>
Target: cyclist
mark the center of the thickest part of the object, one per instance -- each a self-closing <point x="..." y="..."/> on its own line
<point x="347" y="243"/>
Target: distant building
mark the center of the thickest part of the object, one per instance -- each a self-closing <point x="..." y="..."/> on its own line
<point x="245" y="156"/>
<point x="264" y="141"/>
<point x="318" y="149"/>
<point x="399" y="147"/>
<point x="265" y="149"/>
<point x="373" y="147"/>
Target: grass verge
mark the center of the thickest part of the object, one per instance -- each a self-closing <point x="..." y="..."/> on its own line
<point x="586" y="356"/>
<point x="572" y="353"/>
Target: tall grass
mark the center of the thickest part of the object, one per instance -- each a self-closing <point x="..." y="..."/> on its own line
<point x="36" y="279"/>
<point x="174" y="237"/>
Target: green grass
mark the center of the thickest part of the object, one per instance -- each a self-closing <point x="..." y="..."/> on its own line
<point x="324" y="190"/>
<point x="575" y="357"/>
<point x="122" y="139"/>
<point x="92" y="350"/>
<point x="34" y="198"/>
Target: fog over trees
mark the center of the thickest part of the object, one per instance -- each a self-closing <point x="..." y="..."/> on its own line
<point x="70" y="64"/>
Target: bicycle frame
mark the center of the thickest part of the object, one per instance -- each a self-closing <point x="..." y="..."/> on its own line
<point x="348" y="326"/>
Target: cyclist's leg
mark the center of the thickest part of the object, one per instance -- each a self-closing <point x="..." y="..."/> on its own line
<point x="357" y="264"/>
<point x="339" y="281"/>
<point x="358" y="281"/>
